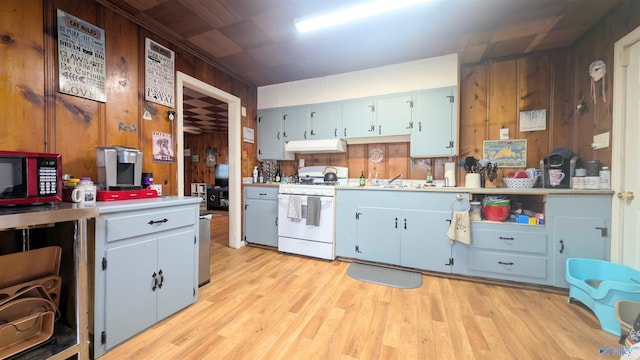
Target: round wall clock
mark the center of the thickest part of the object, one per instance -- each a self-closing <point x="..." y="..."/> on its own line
<point x="376" y="155"/>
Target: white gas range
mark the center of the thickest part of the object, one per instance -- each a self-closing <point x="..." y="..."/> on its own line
<point x="306" y="212"/>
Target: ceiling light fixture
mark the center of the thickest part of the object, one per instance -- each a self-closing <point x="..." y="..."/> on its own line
<point x="327" y="19"/>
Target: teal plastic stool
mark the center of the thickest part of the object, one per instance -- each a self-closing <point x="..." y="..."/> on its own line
<point x="599" y="284"/>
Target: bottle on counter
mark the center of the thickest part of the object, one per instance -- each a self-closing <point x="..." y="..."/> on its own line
<point x="260" y="176"/>
<point x="605" y="178"/>
<point x="255" y="174"/>
<point x="363" y="180"/>
<point x="278" y="175"/>
<point x="429" y="178"/>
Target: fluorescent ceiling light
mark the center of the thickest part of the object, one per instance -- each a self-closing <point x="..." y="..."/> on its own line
<point x="355" y="12"/>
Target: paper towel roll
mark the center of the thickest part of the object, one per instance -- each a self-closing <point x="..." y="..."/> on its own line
<point x="450" y="173"/>
<point x="472" y="181"/>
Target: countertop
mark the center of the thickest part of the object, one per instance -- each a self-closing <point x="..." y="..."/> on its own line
<point x="105" y="207"/>
<point x="531" y="191"/>
<point x="16" y="217"/>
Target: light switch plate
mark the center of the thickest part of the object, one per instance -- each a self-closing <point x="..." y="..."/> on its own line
<point x="301" y="163"/>
<point x="504" y="134"/>
<point x="243" y="111"/>
<point x="600" y="141"/>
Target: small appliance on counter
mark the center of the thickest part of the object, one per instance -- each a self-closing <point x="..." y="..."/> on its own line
<point x="562" y="159"/>
<point x="119" y="168"/>
<point x="30" y="178"/>
<point x="120" y="174"/>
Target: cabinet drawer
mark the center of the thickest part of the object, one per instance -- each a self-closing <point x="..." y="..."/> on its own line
<point x="136" y="223"/>
<point x="261" y="192"/>
<point x="509" y="240"/>
<point x="508" y="264"/>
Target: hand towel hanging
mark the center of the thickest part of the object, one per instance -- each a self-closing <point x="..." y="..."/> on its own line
<point x="294" y="210"/>
<point x="313" y="210"/>
<point x="460" y="229"/>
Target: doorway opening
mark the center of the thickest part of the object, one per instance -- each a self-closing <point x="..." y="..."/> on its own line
<point x="234" y="130"/>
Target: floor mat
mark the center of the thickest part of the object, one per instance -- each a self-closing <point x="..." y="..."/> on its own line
<point x="385" y="276"/>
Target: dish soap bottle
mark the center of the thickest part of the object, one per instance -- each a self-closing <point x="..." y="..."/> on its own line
<point x="429" y="178"/>
<point x="363" y="180"/>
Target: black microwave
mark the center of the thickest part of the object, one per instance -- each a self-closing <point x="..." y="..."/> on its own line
<point x="30" y="178"/>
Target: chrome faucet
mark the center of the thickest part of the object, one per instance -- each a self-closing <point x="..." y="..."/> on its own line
<point x="395" y="178"/>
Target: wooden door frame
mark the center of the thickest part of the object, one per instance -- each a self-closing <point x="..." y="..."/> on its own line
<point x="234" y="135"/>
<point x="620" y="63"/>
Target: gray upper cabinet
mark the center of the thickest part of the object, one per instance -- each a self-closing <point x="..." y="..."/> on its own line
<point x="435" y="127"/>
<point x="358" y="118"/>
<point x="296" y="123"/>
<point x="271" y="136"/>
<point x="393" y="115"/>
<point x="325" y="121"/>
<point x="429" y="117"/>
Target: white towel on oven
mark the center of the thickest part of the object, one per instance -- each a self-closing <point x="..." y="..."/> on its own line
<point x="295" y="207"/>
<point x="313" y="210"/>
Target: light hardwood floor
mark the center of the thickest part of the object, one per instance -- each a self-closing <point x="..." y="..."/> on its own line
<point x="261" y="304"/>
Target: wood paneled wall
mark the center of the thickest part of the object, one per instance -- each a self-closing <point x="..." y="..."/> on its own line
<point x="41" y="119"/>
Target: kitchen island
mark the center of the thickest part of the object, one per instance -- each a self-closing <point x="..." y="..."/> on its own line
<point x="143" y="265"/>
<point x="407" y="226"/>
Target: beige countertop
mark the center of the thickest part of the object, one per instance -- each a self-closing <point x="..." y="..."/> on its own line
<point x="531" y="191"/>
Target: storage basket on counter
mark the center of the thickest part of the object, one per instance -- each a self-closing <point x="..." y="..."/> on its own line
<point x="519" y="183"/>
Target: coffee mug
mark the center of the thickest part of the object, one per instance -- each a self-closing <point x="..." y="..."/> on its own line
<point x="555" y="177"/>
<point x="77" y="195"/>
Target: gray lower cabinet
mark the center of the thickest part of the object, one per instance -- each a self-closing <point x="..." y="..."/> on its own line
<point x="145" y="266"/>
<point x="408" y="230"/>
<point x="505" y="251"/>
<point x="261" y="215"/>
<point x="580" y="227"/>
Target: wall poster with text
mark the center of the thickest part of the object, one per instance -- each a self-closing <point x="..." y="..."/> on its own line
<point x="159" y="74"/>
<point x="81" y="58"/>
<point x="162" y="147"/>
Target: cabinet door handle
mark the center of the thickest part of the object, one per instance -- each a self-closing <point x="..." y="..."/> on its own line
<point x="335" y="132"/>
<point x="276" y="221"/>
<point x="161" y="279"/>
<point x="419" y="125"/>
<point x="405" y="224"/>
<point x="155" y="281"/>
<point x="561" y="246"/>
<point x="379" y="129"/>
<point x="396" y="223"/>
<point x="305" y="134"/>
<point x="262" y="194"/>
<point x="152" y="222"/>
<point x="345" y="132"/>
<point x="603" y="231"/>
<point x="505" y="238"/>
<point x="505" y="263"/>
<point x="278" y="136"/>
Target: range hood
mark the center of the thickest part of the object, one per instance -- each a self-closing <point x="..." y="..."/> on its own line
<point x="316" y="146"/>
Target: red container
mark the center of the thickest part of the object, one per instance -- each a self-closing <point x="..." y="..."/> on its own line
<point x="495" y="213"/>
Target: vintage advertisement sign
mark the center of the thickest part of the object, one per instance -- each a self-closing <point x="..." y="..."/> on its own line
<point x="162" y="147"/>
<point x="159" y="74"/>
<point x="81" y="58"/>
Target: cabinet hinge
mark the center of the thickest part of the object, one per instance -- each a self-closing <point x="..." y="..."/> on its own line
<point x="450" y="263"/>
<point x="358" y="249"/>
<point x="358" y="215"/>
<point x="195" y="240"/>
<point x="259" y="118"/>
<point x="104" y="263"/>
<point x="194" y="292"/>
<point x="451" y="98"/>
<point x="103" y="338"/>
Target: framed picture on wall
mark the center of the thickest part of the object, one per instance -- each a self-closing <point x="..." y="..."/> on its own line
<point x="506" y="153"/>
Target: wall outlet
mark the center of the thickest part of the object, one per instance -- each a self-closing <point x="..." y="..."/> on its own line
<point x="301" y="163"/>
<point x="600" y="141"/>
